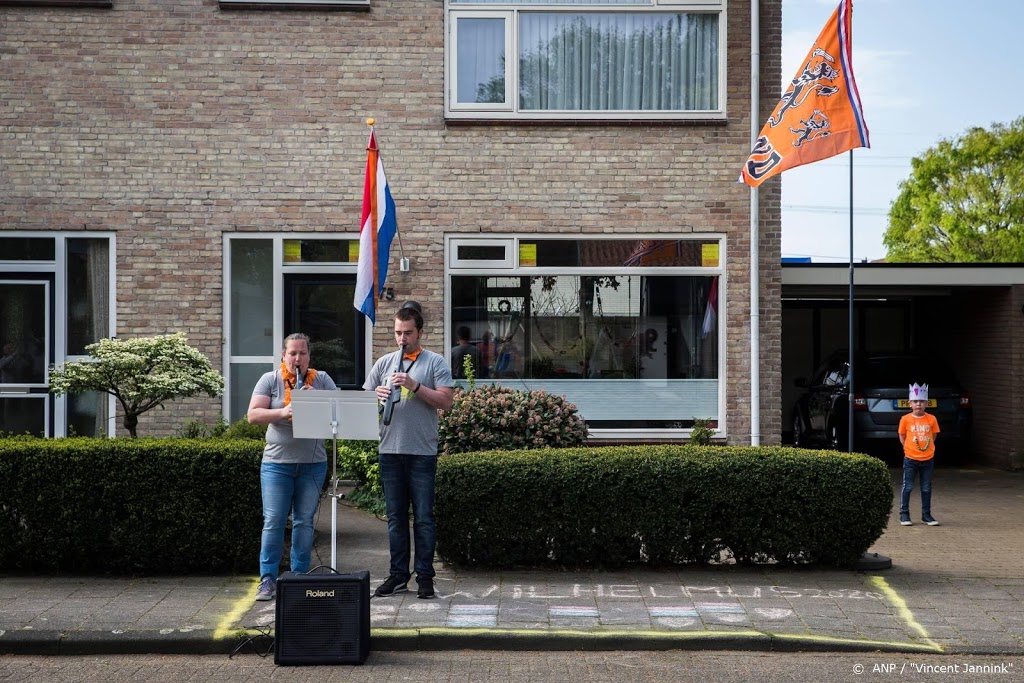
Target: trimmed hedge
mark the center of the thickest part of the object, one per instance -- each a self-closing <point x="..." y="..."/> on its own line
<point x="663" y="505"/>
<point x="130" y="506"/>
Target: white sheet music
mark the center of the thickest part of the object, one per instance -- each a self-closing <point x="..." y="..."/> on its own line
<point x="315" y="412"/>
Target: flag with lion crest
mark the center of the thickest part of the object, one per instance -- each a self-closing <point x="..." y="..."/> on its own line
<point x="820" y="113"/>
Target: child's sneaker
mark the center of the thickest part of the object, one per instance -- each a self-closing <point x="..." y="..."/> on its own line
<point x="929" y="520"/>
<point x="905" y="520"/>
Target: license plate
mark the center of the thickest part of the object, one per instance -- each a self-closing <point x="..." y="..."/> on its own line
<point x="905" y="403"/>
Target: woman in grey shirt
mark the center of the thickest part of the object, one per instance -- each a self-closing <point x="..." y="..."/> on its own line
<point x="293" y="470"/>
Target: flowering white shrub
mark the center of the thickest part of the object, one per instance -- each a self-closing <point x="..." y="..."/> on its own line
<point x="141" y="373"/>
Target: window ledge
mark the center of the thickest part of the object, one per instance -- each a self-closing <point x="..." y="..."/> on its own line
<point x="325" y="5"/>
<point x="100" y="4"/>
<point x="608" y="123"/>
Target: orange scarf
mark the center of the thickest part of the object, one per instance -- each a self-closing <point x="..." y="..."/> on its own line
<point x="289" y="381"/>
<point x="413" y="356"/>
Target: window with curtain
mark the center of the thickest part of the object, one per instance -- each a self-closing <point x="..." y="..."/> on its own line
<point x="88" y="311"/>
<point x="615" y="60"/>
<point x="88" y="293"/>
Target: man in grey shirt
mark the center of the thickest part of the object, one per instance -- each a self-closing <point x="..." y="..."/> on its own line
<point x="460" y="351"/>
<point x="422" y="382"/>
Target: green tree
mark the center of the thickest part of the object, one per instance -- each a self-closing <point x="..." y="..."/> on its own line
<point x="141" y="373"/>
<point x="963" y="202"/>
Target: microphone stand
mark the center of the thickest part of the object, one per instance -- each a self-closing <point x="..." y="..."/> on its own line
<point x="394" y="397"/>
<point x="335" y="496"/>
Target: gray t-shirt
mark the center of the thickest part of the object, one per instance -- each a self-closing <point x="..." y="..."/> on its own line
<point x="281" y="446"/>
<point x="413" y="428"/>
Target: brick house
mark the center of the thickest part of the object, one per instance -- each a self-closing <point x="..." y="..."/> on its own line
<point x="198" y="167"/>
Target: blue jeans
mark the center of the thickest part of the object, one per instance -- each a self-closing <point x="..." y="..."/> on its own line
<point x="410" y="479"/>
<point x="289" y="488"/>
<point x="912" y="468"/>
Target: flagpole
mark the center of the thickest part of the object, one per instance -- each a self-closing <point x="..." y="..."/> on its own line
<point x="849" y="397"/>
<point x="821" y="104"/>
<point x="755" y="240"/>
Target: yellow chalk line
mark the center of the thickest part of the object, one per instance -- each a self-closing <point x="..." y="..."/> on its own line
<point x="527" y="632"/>
<point x="903" y="611"/>
<point x="225" y="628"/>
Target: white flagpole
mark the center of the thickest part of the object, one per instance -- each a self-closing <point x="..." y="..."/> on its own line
<point x="755" y="306"/>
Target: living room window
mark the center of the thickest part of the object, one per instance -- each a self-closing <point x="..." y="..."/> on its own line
<point x="612" y="59"/>
<point x="626" y="329"/>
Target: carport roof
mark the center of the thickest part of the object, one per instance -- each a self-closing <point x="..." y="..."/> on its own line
<point x="904" y="274"/>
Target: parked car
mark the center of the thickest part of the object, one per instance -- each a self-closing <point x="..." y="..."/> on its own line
<point x="821" y="418"/>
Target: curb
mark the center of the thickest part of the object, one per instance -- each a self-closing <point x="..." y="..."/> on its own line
<point x="52" y="642"/>
<point x="205" y="642"/>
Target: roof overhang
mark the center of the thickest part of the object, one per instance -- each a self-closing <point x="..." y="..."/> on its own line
<point x="903" y="274"/>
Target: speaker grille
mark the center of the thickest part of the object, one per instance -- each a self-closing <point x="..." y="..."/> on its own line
<point x="322" y="619"/>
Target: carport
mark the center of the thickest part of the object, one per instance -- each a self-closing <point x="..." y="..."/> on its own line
<point x="971" y="315"/>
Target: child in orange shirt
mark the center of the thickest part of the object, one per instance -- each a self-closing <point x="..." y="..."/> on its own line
<point x="917" y="431"/>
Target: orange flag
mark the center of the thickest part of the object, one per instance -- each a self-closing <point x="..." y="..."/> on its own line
<point x="819" y="115"/>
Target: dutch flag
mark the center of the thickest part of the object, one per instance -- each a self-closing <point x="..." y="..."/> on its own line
<point x="711" y="311"/>
<point x="377" y="229"/>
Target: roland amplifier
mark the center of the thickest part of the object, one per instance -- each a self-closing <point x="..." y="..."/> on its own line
<point x="322" y="618"/>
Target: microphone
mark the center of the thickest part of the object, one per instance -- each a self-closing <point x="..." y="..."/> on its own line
<point x="396" y="396"/>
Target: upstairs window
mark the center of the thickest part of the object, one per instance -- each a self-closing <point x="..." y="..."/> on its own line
<point x="615" y="59"/>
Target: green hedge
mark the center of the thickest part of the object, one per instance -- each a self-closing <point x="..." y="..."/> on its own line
<point x="662" y="505"/>
<point x="130" y="506"/>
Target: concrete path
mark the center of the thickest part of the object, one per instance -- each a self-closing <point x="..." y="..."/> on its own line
<point x="955" y="588"/>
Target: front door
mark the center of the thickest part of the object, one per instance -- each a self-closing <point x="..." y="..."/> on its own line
<point x="320" y="305"/>
<point x="24" y="356"/>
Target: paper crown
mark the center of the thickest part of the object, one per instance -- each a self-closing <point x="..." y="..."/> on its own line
<point x="918" y="392"/>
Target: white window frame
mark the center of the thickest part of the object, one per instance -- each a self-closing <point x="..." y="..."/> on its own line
<point x="623" y="434"/>
<point x="511" y="102"/>
<point x="280" y="269"/>
<point x="457" y="263"/>
<point x="356" y="5"/>
<point x="59" y="267"/>
<point x="509" y="110"/>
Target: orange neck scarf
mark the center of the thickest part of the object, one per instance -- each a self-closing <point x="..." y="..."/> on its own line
<point x="414" y="355"/>
<point x="289" y="381"/>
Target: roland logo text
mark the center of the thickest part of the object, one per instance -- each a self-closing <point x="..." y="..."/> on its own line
<point x="319" y="594"/>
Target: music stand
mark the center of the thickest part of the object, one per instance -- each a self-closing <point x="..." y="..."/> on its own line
<point x="330" y="414"/>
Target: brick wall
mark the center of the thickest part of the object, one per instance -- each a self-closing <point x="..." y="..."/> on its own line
<point x="173" y="122"/>
<point x="981" y="332"/>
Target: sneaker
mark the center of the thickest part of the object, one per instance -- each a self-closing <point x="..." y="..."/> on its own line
<point x="391" y="586"/>
<point x="267" y="589"/>
<point x="426" y="588"/>
<point x="929" y="520"/>
<point x="905" y="520"/>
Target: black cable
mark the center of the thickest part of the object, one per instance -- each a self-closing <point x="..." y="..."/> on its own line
<point x="264" y="632"/>
<point x="316" y="519"/>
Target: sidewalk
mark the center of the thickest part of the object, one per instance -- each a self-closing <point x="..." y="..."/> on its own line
<point x="956" y="588"/>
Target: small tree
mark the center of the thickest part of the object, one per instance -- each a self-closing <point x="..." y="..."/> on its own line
<point x="141" y="373"/>
<point x="701" y="432"/>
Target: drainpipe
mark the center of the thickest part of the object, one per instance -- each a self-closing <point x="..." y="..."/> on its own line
<point x="755" y="307"/>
